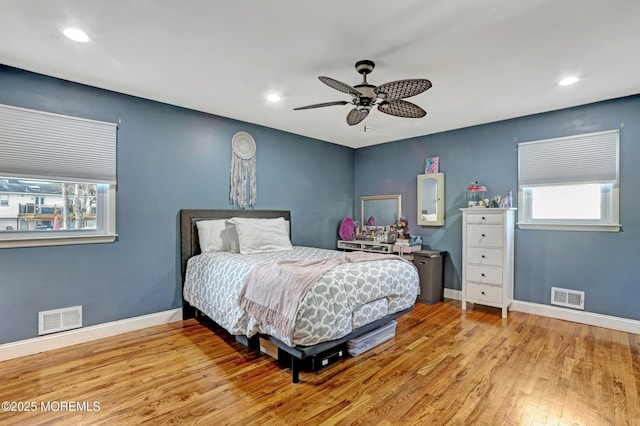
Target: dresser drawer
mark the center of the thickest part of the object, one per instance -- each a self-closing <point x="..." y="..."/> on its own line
<point x="483" y="293"/>
<point x="484" y="274"/>
<point x="484" y="235"/>
<point x="484" y="256"/>
<point x="484" y="218"/>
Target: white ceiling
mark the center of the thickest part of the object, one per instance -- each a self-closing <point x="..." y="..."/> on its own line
<point x="488" y="60"/>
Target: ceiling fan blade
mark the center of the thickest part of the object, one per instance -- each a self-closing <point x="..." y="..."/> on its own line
<point x="401" y="108"/>
<point x="402" y="88"/>
<point x="324" y="104"/>
<point x="356" y="115"/>
<point x="338" y="85"/>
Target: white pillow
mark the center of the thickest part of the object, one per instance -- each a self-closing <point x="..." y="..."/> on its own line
<point x="231" y="235"/>
<point x="213" y="236"/>
<point x="262" y="235"/>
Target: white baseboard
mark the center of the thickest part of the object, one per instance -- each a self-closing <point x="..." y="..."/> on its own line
<point x="589" y="318"/>
<point x="450" y="293"/>
<point x="86" y="334"/>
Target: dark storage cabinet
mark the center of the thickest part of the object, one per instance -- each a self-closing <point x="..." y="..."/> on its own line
<point x="431" y="272"/>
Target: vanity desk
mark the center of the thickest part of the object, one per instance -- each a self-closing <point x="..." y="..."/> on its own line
<point x="380" y="209"/>
<point x="376" y="247"/>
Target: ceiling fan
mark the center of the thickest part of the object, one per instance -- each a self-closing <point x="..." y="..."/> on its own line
<point x="388" y="97"/>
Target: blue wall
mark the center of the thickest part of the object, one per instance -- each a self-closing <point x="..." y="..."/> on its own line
<point x="169" y="158"/>
<point x="604" y="265"/>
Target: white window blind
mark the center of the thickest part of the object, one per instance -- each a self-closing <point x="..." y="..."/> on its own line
<point x="587" y="158"/>
<point x="41" y="145"/>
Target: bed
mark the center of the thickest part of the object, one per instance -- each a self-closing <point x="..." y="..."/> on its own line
<point x="346" y="301"/>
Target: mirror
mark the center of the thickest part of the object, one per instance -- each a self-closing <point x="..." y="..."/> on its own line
<point x="384" y="208"/>
<point x="431" y="199"/>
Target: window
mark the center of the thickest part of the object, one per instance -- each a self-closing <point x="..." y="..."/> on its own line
<point x="570" y="183"/>
<point x="57" y="174"/>
<point x="4" y="200"/>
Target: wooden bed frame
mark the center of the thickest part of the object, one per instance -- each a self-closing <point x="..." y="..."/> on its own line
<point x="190" y="246"/>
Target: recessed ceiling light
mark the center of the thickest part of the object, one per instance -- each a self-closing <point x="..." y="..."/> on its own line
<point x="274" y="97"/>
<point x="76" y="34"/>
<point x="567" y="81"/>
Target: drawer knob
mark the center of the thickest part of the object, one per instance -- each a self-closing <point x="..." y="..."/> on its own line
<point x="482" y="292"/>
<point x="483" y="218"/>
<point x="483" y="256"/>
<point x="483" y="235"/>
<point x="482" y="275"/>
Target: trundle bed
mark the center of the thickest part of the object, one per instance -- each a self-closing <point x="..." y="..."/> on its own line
<point x="346" y="300"/>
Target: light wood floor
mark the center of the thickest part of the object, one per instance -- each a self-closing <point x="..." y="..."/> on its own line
<point x="443" y="367"/>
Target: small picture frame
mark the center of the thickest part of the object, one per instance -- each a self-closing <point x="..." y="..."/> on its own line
<point x="432" y="165"/>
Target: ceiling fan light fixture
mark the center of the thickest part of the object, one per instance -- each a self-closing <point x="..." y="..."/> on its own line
<point x="76" y="34"/>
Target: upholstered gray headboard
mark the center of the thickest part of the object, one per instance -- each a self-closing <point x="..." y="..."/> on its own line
<point x="189" y="243"/>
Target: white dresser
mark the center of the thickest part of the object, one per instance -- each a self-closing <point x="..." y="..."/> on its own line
<point x="487" y="257"/>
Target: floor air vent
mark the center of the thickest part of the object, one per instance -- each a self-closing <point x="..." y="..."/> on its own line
<point x="59" y="320"/>
<point x="569" y="298"/>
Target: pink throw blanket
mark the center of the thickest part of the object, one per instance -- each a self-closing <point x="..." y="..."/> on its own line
<point x="272" y="292"/>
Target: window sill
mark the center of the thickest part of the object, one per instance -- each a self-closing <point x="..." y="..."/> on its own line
<point x="58" y="240"/>
<point x="566" y="227"/>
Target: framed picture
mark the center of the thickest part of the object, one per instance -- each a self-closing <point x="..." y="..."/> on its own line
<point x="432" y="165"/>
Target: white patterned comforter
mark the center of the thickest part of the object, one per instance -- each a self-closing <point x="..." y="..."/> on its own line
<point x="343" y="299"/>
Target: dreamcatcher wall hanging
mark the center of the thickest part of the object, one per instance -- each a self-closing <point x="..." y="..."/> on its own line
<point x="243" y="171"/>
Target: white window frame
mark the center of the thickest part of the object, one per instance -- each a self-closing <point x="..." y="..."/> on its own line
<point x="609" y="214"/>
<point x="105" y="231"/>
<point x="572" y="152"/>
<point x="86" y="150"/>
